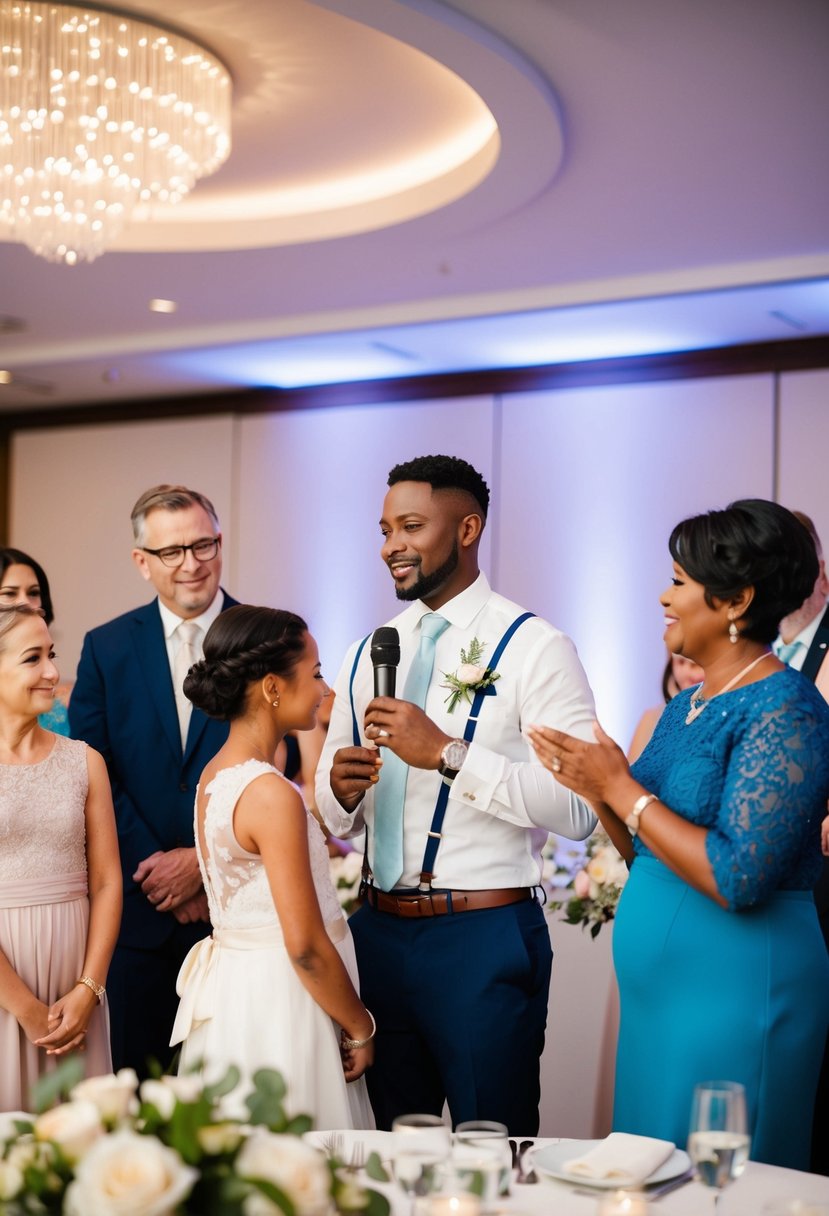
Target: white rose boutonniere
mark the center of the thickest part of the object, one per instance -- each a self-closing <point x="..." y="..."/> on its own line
<point x="470" y="676"/>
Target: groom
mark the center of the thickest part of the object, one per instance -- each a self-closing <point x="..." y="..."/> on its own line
<point x="453" y="947"/>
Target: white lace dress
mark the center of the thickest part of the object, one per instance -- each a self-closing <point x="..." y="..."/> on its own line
<point x="242" y="1002"/>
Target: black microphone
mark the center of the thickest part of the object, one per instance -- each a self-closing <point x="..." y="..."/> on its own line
<point x="385" y="656"/>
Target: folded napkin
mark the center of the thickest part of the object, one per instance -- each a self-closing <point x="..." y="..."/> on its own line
<point x="621" y="1157"/>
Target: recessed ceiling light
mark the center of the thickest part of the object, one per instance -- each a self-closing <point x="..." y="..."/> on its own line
<point x="6" y="377"/>
<point x="163" y="306"/>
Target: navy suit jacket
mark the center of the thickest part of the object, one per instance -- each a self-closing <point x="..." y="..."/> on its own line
<point x="123" y="705"/>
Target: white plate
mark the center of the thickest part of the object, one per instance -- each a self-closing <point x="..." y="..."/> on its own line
<point x="551" y="1159"/>
<point x="372" y="1142"/>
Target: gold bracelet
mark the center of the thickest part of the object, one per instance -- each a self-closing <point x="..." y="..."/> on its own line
<point x="99" y="990"/>
<point x="354" y="1044"/>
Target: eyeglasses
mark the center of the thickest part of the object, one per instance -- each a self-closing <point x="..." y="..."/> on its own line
<point x="173" y="555"/>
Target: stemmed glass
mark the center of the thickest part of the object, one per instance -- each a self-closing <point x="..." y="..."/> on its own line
<point x="421" y="1143"/>
<point x="718" y="1142"/>
<point x="482" y="1159"/>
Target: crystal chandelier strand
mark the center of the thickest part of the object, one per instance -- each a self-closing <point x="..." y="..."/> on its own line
<point x="100" y="111"/>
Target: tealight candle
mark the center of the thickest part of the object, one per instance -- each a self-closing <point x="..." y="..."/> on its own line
<point x="623" y="1203"/>
<point x="453" y="1205"/>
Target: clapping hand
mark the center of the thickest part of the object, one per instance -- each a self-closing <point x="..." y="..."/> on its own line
<point x="590" y="769"/>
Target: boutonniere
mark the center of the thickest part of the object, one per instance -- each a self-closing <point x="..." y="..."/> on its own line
<point x="470" y="676"/>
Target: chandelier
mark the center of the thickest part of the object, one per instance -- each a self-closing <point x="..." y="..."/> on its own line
<point x="100" y="112"/>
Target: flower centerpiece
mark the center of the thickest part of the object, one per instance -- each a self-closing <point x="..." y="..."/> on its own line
<point x="470" y="677"/>
<point x="117" y="1148"/>
<point x="585" y="878"/>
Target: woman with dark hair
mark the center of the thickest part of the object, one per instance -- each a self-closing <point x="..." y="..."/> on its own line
<point x="276" y="984"/>
<point x="721" y="966"/>
<point x="24" y="581"/>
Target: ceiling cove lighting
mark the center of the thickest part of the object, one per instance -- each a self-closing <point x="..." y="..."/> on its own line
<point x="100" y="111"/>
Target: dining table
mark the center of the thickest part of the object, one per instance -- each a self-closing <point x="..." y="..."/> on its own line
<point x="759" y="1188"/>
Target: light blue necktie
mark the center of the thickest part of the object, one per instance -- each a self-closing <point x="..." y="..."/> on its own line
<point x="390" y="794"/>
<point x="787" y="650"/>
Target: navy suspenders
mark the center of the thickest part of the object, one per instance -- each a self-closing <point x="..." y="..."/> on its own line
<point x="433" y="840"/>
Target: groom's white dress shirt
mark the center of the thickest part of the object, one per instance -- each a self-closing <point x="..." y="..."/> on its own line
<point x="503" y="802"/>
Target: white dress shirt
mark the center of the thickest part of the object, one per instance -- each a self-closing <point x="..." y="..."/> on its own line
<point x="805" y="638"/>
<point x="170" y="623"/>
<point x="503" y="802"/>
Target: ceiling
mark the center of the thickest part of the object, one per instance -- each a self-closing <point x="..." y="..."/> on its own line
<point x="420" y="187"/>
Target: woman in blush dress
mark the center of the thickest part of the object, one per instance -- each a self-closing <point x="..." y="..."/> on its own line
<point x="275" y="986"/>
<point x="721" y="965"/>
<point x="24" y="581"/>
<point x="60" y="878"/>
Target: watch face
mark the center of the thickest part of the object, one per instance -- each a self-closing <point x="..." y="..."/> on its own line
<point x="454" y="753"/>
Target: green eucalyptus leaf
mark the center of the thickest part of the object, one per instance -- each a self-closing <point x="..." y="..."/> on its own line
<point x="375" y="1168"/>
<point x="54" y="1085"/>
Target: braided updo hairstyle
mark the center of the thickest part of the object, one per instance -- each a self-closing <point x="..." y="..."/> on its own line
<point x="244" y="644"/>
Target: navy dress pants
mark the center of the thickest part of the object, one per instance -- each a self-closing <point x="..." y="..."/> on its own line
<point x="461" y="1008"/>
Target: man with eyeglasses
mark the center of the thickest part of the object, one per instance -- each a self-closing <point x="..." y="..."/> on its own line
<point x="128" y="703"/>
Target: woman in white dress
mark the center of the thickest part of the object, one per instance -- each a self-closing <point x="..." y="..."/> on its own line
<point x="275" y="986"/>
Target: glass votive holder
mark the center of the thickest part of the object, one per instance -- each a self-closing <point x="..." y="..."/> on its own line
<point x="624" y="1203"/>
<point x="463" y="1204"/>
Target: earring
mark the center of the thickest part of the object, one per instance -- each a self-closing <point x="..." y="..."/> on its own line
<point x="275" y="703"/>
<point x="733" y="633"/>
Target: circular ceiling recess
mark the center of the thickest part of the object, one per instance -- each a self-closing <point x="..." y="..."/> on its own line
<point x="353" y="115"/>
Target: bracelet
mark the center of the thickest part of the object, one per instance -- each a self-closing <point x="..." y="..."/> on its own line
<point x="632" y="821"/>
<point x="354" y="1044"/>
<point x="99" y="990"/>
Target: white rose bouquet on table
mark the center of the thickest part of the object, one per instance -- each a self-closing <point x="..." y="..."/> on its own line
<point x="117" y="1148"/>
<point x="585" y="878"/>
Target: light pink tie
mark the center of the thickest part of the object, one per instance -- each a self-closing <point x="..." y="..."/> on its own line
<point x="188" y="653"/>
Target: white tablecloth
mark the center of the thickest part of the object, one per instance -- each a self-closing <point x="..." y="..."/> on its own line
<point x="758" y="1186"/>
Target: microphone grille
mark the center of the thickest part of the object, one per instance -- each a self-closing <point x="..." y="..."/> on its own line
<point x="385" y="647"/>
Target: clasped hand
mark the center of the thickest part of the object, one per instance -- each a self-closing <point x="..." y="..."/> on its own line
<point x="590" y="769"/>
<point x="171" y="881"/>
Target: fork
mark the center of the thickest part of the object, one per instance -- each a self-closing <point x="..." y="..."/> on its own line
<point x="358" y="1156"/>
<point x="332" y="1146"/>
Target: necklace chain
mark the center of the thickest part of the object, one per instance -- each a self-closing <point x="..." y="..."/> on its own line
<point x="699" y="703"/>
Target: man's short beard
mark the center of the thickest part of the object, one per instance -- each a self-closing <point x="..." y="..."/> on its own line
<point x="427" y="584"/>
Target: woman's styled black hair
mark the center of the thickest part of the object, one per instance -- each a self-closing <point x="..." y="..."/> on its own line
<point x="242" y="645"/>
<point x="16" y="557"/>
<point x="752" y="543"/>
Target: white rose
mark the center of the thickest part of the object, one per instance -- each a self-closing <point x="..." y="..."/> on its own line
<point x="27" y="1151"/>
<point x="11" y="1180"/>
<point x="114" y="1096"/>
<point x="73" y="1126"/>
<point x="296" y="1168"/>
<point x="470" y="673"/>
<point x="352" y="866"/>
<point x="8" y="1118"/>
<point x="164" y="1093"/>
<point x="216" y="1138"/>
<point x="126" y="1174"/>
<point x="597" y="868"/>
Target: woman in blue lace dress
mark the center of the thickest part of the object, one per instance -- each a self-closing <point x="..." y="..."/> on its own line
<point x="24" y="581"/>
<point x="722" y="969"/>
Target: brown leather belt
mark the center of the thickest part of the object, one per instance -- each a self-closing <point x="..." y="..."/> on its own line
<point x="443" y="903"/>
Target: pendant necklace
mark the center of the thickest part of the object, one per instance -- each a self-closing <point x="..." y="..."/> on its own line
<point x="698" y="702"/>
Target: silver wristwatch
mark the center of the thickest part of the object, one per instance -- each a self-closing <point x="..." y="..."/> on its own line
<point x="451" y="759"/>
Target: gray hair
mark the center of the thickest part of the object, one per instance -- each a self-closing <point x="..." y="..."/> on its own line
<point x="168" y="498"/>
<point x="13" y="614"/>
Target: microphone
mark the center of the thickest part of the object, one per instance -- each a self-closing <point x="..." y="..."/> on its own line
<point x="385" y="656"/>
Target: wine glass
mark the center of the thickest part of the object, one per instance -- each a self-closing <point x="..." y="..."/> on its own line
<point x="481" y="1159"/>
<point x="718" y="1142"/>
<point x="421" y="1143"/>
